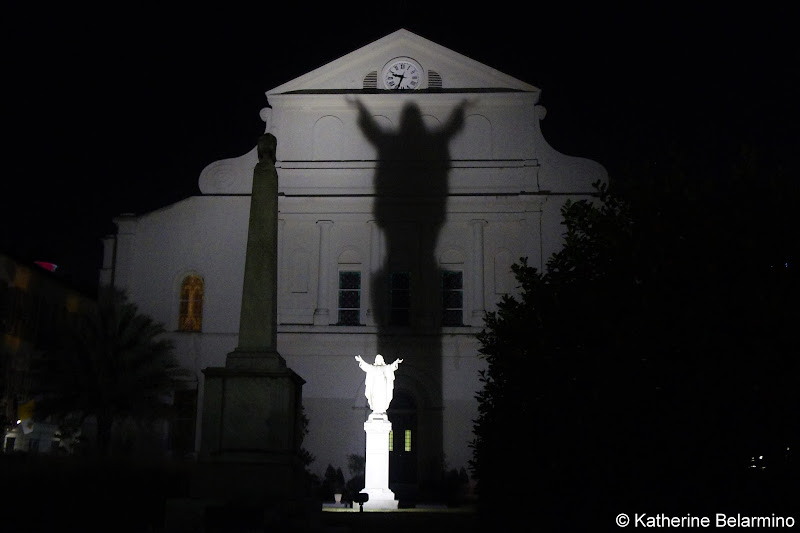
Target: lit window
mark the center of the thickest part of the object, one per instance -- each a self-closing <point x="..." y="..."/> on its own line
<point x="400" y="298"/>
<point x="349" y="298"/>
<point x="191" y="307"/>
<point x="452" y="298"/>
<point x="406" y="440"/>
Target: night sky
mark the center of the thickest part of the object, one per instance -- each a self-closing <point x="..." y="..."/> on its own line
<point x="119" y="110"/>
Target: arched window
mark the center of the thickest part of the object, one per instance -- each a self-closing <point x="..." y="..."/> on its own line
<point x="191" y="307"/>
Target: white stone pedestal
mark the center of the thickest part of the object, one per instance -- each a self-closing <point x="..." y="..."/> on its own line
<point x="376" y="469"/>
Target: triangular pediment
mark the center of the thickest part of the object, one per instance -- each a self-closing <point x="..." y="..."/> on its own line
<point x="442" y="69"/>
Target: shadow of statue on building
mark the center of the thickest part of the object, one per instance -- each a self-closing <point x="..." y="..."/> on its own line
<point x="409" y="208"/>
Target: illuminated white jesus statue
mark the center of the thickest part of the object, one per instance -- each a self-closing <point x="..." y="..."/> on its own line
<point x="379" y="383"/>
<point x="379" y="390"/>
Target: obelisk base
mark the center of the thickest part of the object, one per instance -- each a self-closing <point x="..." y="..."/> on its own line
<point x="251" y="421"/>
<point x="251" y="409"/>
<point x="376" y="469"/>
<point x="249" y="474"/>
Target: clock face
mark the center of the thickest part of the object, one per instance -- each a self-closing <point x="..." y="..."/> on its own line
<point x="402" y="74"/>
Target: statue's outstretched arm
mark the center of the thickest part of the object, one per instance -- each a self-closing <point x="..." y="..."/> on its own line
<point x="456" y="119"/>
<point x="367" y="124"/>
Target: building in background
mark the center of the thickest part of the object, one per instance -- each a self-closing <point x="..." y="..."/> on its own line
<point x="410" y="179"/>
<point x="34" y="307"/>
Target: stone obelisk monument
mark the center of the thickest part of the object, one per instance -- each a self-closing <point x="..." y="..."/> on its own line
<point x="251" y="424"/>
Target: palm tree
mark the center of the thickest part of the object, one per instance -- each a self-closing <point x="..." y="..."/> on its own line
<point x="112" y="365"/>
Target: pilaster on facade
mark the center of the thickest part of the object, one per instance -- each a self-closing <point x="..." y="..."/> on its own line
<point x="322" y="312"/>
<point x="125" y="252"/>
<point x="478" y="297"/>
<point x="109" y="260"/>
<point x="375" y="262"/>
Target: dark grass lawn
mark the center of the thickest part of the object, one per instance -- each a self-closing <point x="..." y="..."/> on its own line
<point x="87" y="494"/>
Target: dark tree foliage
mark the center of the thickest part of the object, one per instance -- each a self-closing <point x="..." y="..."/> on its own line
<point x="311" y="480"/>
<point x="356" y="464"/>
<point x="646" y="366"/>
<point x="112" y="364"/>
<point x="332" y="483"/>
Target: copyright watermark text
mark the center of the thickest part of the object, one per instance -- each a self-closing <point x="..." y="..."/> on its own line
<point x="645" y="520"/>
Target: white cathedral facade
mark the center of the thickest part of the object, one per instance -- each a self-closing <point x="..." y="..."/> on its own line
<point x="410" y="179"/>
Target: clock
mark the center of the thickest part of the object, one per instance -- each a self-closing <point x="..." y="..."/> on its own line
<point x="402" y="73"/>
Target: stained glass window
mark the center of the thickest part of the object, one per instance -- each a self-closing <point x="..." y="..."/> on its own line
<point x="406" y="440"/>
<point x="191" y="306"/>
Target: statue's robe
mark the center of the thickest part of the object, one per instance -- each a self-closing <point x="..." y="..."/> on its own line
<point x="379" y="387"/>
